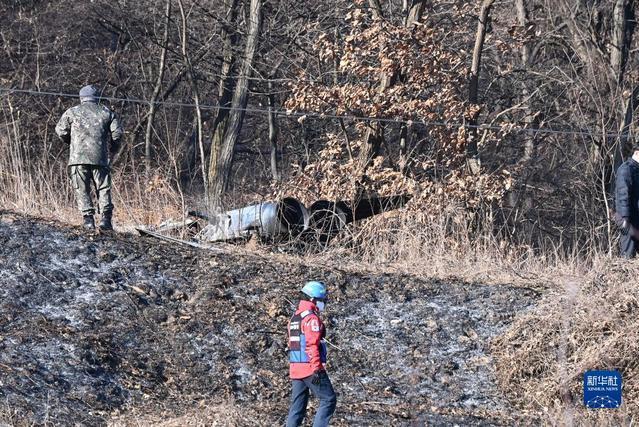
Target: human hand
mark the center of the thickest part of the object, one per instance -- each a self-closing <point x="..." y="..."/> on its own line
<point x="317" y="377"/>
<point x="115" y="146"/>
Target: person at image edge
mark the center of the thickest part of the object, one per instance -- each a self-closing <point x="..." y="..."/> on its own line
<point x="627" y="204"/>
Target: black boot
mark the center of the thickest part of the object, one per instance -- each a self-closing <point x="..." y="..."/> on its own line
<point x="105" y="224"/>
<point x="89" y="224"/>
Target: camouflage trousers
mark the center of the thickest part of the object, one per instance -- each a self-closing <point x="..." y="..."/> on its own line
<point x="88" y="178"/>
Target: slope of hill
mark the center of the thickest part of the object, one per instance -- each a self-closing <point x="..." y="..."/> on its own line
<point x="98" y="329"/>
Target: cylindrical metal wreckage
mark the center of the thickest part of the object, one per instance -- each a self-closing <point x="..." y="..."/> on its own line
<point x="289" y="218"/>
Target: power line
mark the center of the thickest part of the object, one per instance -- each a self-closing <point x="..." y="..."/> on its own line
<point x="303" y="115"/>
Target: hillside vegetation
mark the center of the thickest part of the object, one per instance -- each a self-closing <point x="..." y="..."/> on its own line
<point x="504" y="121"/>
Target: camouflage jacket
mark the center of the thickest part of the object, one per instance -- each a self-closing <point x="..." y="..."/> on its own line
<point x="88" y="128"/>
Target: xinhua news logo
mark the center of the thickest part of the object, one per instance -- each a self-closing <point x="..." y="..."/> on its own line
<point x="602" y="389"/>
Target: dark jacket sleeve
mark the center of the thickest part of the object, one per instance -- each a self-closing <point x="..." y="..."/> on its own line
<point x="623" y="187"/>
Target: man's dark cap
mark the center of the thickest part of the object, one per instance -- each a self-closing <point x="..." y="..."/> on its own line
<point x="89" y="93"/>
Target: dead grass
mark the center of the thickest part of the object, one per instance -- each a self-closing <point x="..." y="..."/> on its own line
<point x="586" y="322"/>
<point x="49" y="195"/>
<point x="446" y="248"/>
<point x="34" y="180"/>
<point x="587" y="318"/>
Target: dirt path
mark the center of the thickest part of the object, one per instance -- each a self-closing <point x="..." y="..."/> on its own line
<point x="101" y="328"/>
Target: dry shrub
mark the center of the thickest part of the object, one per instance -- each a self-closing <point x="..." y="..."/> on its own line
<point x="448" y="225"/>
<point x="427" y="73"/>
<point x="589" y="323"/>
<point x="334" y="176"/>
<point x="140" y="202"/>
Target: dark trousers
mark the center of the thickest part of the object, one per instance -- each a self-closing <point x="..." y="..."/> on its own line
<point x="299" y="398"/>
<point x="627" y="245"/>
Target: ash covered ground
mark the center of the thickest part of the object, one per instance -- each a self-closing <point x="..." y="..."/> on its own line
<point x="98" y="329"/>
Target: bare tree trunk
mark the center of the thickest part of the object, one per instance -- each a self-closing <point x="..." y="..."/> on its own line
<point x="405" y="11"/>
<point x="522" y="18"/>
<point x="472" y="154"/>
<point x="196" y="97"/>
<point x="225" y="93"/>
<point x="273" y="132"/>
<point x="156" y="93"/>
<point x="375" y="134"/>
<point x="620" y="45"/>
<point x="347" y="139"/>
<point x="415" y="12"/>
<point x="619" y="49"/>
<point x="222" y="171"/>
<point x="372" y="145"/>
<point x="403" y="142"/>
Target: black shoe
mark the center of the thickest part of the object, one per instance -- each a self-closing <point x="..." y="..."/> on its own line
<point x="89" y="224"/>
<point x="105" y="223"/>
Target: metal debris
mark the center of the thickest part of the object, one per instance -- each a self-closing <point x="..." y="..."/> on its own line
<point x="286" y="219"/>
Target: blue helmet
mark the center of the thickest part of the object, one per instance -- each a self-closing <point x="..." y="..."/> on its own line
<point x="315" y="289"/>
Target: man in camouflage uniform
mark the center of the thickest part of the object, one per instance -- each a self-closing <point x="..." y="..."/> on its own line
<point x="88" y="128"/>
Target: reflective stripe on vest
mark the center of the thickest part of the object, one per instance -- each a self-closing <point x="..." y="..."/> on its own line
<point x="297" y="341"/>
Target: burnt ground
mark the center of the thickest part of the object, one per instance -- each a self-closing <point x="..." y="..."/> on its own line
<point x="96" y="328"/>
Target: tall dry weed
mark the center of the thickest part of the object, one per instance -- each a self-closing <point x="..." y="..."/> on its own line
<point x="588" y="322"/>
<point x="36" y="181"/>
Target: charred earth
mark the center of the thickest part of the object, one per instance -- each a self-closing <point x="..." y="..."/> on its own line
<point x="121" y="329"/>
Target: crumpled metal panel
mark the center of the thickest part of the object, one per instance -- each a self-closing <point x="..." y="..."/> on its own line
<point x="290" y="218"/>
<point x="287" y="217"/>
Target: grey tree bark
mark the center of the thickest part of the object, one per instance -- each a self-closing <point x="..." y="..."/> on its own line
<point x="376" y="9"/>
<point x="225" y="94"/>
<point x="413" y="15"/>
<point x="524" y="22"/>
<point x="619" y="50"/>
<point x="196" y="95"/>
<point x="219" y="175"/>
<point x="273" y="132"/>
<point x="148" y="145"/>
<point x="414" y="12"/>
<point x="472" y="154"/>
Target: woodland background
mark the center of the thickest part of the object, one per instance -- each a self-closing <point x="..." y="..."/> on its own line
<point x="504" y="119"/>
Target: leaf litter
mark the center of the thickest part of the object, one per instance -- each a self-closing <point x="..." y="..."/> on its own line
<point x="117" y="329"/>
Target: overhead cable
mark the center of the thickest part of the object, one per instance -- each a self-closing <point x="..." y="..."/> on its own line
<point x="303" y="115"/>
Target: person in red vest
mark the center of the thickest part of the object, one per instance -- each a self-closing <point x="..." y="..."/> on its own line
<point x="307" y="358"/>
